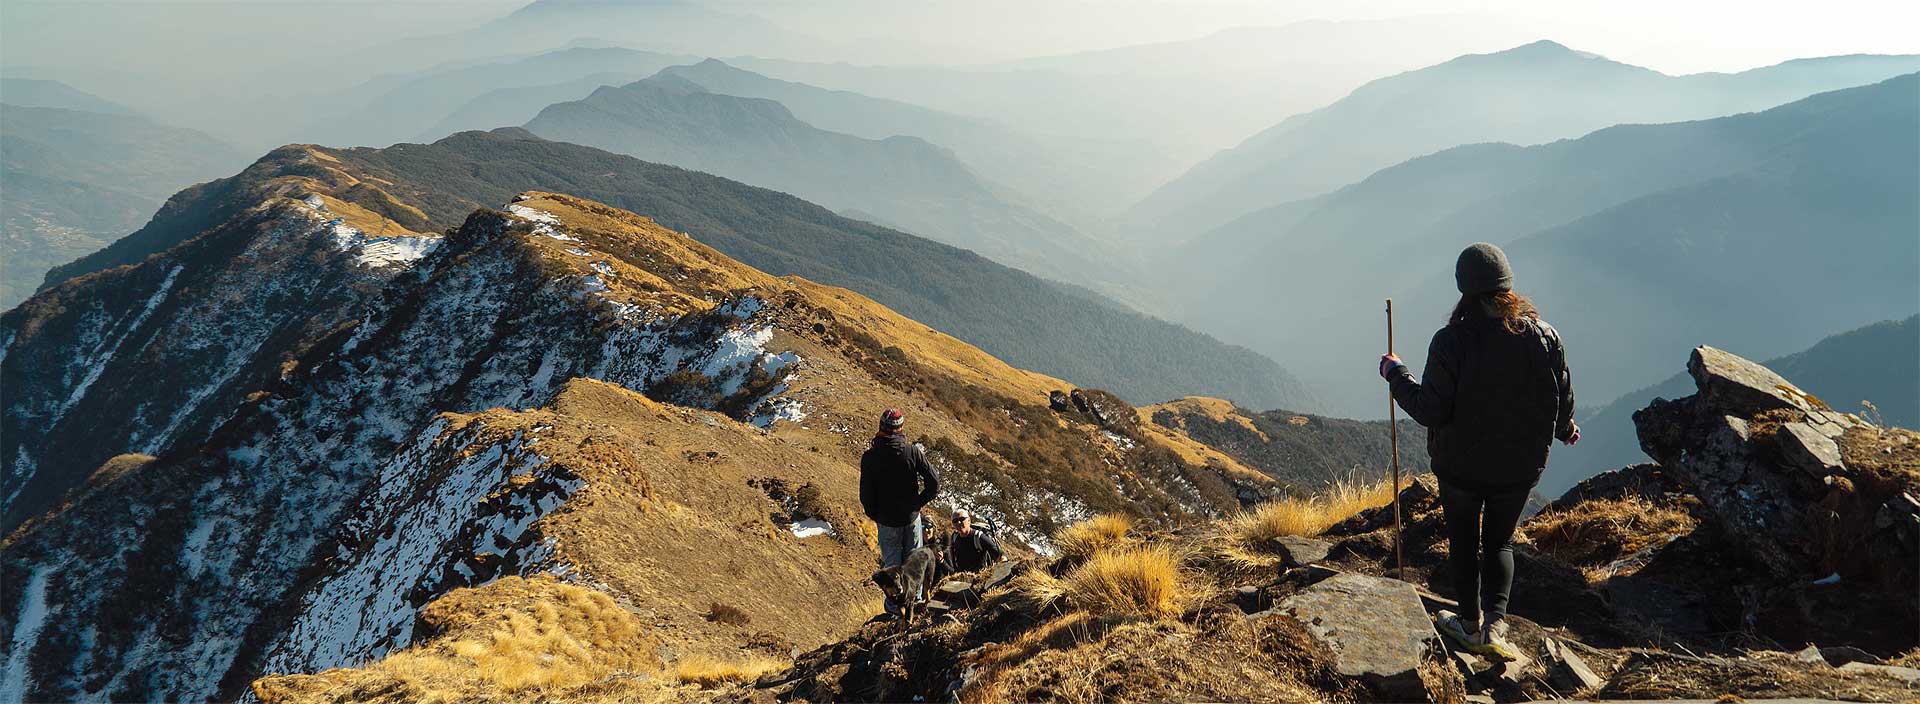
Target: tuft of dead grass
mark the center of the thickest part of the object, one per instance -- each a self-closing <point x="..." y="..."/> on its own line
<point x="1032" y="592"/>
<point x="1135" y="581"/>
<point x="1306" y="516"/>
<point x="1082" y="540"/>
<point x="513" y="635"/>
<point x="1597" y="532"/>
<point x="711" y="672"/>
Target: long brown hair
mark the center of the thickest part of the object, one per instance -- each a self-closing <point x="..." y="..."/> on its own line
<point x="1512" y="309"/>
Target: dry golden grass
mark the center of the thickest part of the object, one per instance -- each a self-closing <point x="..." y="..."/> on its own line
<point x="1082" y="540"/>
<point x="713" y="672"/>
<point x="1308" y="517"/>
<point x="511" y="636"/>
<point x="1595" y="533"/>
<point x="580" y="637"/>
<point x="1033" y="591"/>
<point x="1134" y="581"/>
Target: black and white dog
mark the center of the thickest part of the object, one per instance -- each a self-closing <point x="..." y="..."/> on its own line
<point x="909" y="583"/>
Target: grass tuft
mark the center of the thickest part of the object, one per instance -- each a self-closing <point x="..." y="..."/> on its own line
<point x="1033" y="592"/>
<point x="1595" y="533"/>
<point x="713" y="672"/>
<point x="1309" y="516"/>
<point x="1082" y="540"/>
<point x="1135" y="580"/>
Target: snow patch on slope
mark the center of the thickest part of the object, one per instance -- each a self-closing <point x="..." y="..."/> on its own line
<point x="26" y="630"/>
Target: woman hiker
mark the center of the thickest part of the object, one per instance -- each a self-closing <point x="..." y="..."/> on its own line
<point x="1494" y="397"/>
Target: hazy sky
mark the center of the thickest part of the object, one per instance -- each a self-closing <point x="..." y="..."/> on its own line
<point x="1675" y="36"/>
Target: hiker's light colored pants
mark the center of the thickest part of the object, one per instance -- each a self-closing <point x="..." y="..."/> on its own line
<point x="895" y="543"/>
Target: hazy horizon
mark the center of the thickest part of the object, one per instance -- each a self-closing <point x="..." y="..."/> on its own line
<point x="139" y="37"/>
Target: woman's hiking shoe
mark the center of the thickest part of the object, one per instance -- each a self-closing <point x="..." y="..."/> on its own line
<point x="1475" y="641"/>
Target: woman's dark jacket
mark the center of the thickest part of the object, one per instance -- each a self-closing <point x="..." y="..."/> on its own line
<point x="1492" y="402"/>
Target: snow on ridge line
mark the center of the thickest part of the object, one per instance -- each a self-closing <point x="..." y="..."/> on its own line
<point x="377" y="251"/>
<point x="544" y="223"/>
<point x="418" y="543"/>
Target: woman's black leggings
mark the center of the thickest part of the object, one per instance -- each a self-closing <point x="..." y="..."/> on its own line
<point x="1480" y="546"/>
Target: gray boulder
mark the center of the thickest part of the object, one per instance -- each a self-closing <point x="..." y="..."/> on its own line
<point x="1810" y="450"/>
<point x="1375" y="627"/>
<point x="1296" y="551"/>
<point x="1732" y="384"/>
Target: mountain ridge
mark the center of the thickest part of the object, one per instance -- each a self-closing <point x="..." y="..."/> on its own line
<point x="356" y="486"/>
<point x="906" y="181"/>
<point x="1530" y="94"/>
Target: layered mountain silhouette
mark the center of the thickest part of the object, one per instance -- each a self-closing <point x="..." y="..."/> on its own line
<point x="1874" y="364"/>
<point x="77" y="179"/>
<point x="1061" y="175"/>
<point x="48" y="93"/>
<point x="1629" y="238"/>
<point x="1531" y="94"/>
<point x="904" y="182"/>
<point x="436" y="103"/>
<point x="1168" y="104"/>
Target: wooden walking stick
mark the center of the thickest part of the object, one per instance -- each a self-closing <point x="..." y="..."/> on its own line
<point x="1393" y="429"/>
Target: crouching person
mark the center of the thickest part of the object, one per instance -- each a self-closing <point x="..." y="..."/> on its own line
<point x="970" y="549"/>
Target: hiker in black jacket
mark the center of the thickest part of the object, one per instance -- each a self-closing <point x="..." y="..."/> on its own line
<point x="969" y="549"/>
<point x="1494" y="397"/>
<point x="895" y="482"/>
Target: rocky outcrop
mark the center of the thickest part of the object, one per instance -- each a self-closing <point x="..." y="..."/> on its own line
<point x="1376" y="628"/>
<point x="1822" y="502"/>
<point x="1107" y="410"/>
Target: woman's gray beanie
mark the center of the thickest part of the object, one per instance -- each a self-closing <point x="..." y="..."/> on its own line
<point x="1482" y="268"/>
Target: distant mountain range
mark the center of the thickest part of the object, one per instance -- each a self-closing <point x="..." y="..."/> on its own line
<point x="1063" y="176"/>
<point x="1531" y="94"/>
<point x="1879" y="363"/>
<point x="435" y="103"/>
<point x="1014" y="315"/>
<point x="1635" y="240"/>
<point x="900" y="181"/>
<point x="77" y="179"/>
<point x="46" y="93"/>
<point x="1182" y="100"/>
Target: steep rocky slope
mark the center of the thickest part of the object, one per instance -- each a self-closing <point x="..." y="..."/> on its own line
<point x="138" y="359"/>
<point x="559" y="388"/>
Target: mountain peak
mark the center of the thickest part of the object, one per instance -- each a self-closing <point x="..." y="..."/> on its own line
<point x="1542" y="50"/>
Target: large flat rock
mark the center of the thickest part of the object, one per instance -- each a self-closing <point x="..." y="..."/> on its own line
<point x="1733" y="385"/>
<point x="1376" y="628"/>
